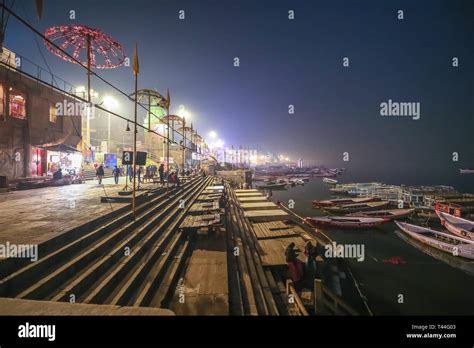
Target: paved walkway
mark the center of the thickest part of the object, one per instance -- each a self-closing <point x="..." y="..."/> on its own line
<point x="205" y="285"/>
<point x="34" y="216"/>
<point x="9" y="306"/>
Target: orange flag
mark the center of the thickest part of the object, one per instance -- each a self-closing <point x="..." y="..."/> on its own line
<point x="136" y="64"/>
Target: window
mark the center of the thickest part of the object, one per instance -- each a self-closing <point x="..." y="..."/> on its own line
<point x="53" y="115"/>
<point x="17" y="104"/>
<point x="2" y="104"/>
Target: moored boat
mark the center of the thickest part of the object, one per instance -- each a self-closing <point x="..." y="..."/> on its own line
<point x="352" y="208"/>
<point x="271" y="186"/>
<point x="449" y="243"/>
<point x="296" y="181"/>
<point x="456" y="225"/>
<point x="329" y="181"/>
<point x="344" y="221"/>
<point x="338" y="201"/>
<point x="391" y="214"/>
<point x="354" y="187"/>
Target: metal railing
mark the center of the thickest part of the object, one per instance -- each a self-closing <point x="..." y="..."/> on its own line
<point x="294" y="299"/>
<point x="24" y="65"/>
<point x="323" y="299"/>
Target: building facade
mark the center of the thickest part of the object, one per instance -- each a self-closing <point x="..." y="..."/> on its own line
<point x="34" y="139"/>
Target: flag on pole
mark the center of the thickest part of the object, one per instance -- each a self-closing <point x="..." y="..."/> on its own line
<point x="136" y="64"/>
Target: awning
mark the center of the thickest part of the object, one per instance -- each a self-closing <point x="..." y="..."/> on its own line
<point x="60" y="148"/>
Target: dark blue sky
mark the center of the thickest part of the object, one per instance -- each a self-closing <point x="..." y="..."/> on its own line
<point x="297" y="62"/>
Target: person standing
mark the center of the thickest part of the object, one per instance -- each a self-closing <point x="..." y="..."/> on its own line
<point x="116" y="173"/>
<point x="311" y="253"/>
<point x="100" y="174"/>
<point x="139" y="174"/>
<point x="295" y="267"/>
<point x="161" y="172"/>
<point x="130" y="173"/>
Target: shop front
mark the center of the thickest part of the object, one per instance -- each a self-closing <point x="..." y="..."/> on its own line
<point x="39" y="162"/>
<point x="64" y="157"/>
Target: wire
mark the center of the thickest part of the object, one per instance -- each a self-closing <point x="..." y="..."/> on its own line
<point x="90" y="71"/>
<point x="98" y="106"/>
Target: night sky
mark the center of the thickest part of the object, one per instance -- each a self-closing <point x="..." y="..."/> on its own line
<point x="296" y="62"/>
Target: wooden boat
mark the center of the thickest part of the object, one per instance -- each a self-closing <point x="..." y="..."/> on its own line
<point x="271" y="186"/>
<point x="295" y="181"/>
<point x="324" y="174"/>
<point x="449" y="243"/>
<point x="329" y="181"/>
<point x="344" y="221"/>
<point x="456" y="225"/>
<point x="352" y="208"/>
<point x="354" y="187"/>
<point x="427" y="213"/>
<point x="339" y="190"/>
<point x="335" y="202"/>
<point x="391" y="214"/>
<point x="461" y="263"/>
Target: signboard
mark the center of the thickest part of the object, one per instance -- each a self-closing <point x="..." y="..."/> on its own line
<point x="110" y="160"/>
<point x="99" y="157"/>
<point x="127" y="158"/>
<point x="141" y="158"/>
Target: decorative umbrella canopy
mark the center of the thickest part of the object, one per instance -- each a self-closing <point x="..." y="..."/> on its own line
<point x="186" y="129"/>
<point x="104" y="52"/>
<point x="172" y="118"/>
<point x="198" y="138"/>
<point x="150" y="96"/>
<point x="154" y="100"/>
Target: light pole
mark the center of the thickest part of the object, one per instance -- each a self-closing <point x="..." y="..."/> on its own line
<point x="110" y="103"/>
<point x="89" y="94"/>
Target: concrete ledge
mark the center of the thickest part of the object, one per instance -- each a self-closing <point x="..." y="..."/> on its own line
<point x="12" y="306"/>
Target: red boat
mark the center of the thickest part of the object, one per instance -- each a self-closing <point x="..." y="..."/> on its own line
<point x="345" y="221"/>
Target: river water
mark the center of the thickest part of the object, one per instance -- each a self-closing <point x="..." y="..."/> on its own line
<point x="423" y="285"/>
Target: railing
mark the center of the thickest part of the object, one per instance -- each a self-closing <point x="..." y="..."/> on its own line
<point x="21" y="64"/>
<point x="324" y="301"/>
<point x="324" y="298"/>
<point x="294" y="299"/>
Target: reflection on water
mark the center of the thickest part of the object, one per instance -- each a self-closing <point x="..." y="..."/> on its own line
<point x="428" y="285"/>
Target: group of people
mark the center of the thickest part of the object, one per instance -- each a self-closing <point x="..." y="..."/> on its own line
<point x="148" y="172"/>
<point x="297" y="269"/>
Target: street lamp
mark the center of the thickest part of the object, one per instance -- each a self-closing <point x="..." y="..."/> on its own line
<point x="82" y="90"/>
<point x="212" y="134"/>
<point x="182" y="112"/>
